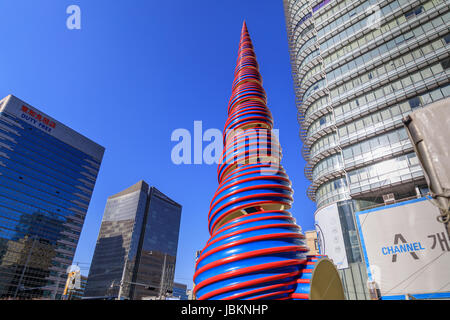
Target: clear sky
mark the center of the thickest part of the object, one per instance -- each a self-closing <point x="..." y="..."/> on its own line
<point x="136" y="71"/>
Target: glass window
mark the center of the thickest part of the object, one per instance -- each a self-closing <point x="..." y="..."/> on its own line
<point x="387" y="89"/>
<point x="403" y="135"/>
<point x="426" y="73"/>
<point x="445" y="63"/>
<point x="368" y="121"/>
<point x="353" y="176"/>
<point x="406" y="81"/>
<point x="384" y="141"/>
<point x="437" y="44"/>
<point x="436" y="95"/>
<point x="447" y="38"/>
<point x="359" y="125"/>
<point x="351" y="128"/>
<point x="416" y="77"/>
<point x="379" y="93"/>
<point x="390" y="66"/>
<point x="446" y="91"/>
<point x="393" y="137"/>
<point x="370" y="97"/>
<point x="347" y="153"/>
<point x="408" y="58"/>
<point x="414" y="102"/>
<point x="427" y="26"/>
<point x="405" y="107"/>
<point x="356" y="150"/>
<point x="376" y="117"/>
<point x="437" y="69"/>
<point x="418" y="32"/>
<point x="365" y="147"/>
<point x="385" y="114"/>
<point x="426" y="98"/>
<point x="427" y="49"/>
<point x="395" y="110"/>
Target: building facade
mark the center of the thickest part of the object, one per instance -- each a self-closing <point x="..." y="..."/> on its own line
<point x="137" y="245"/>
<point x="47" y="176"/>
<point x="359" y="67"/>
<point x="312" y="242"/>
<point x="180" y="291"/>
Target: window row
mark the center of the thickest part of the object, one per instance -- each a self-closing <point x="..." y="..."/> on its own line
<point x="331" y="191"/>
<point x="333" y="11"/>
<point x="386" y="47"/>
<point x="376" y="147"/>
<point x="308" y="59"/>
<point x="28" y="153"/>
<point x="52" y="144"/>
<point x="362" y="102"/>
<point x="300" y="9"/>
<point x="53" y="149"/>
<point x="370" y="123"/>
<point x="320" y="5"/>
<point x="305" y="32"/>
<point x="316" y="105"/>
<point x="390" y="67"/>
<point x="384" y="173"/>
<point x="314" y="87"/>
<point x="317" y="125"/>
<point x="311" y="73"/>
<point x="384" y="29"/>
<point x="34" y="175"/>
<point x="303" y="19"/>
<point x="305" y="46"/>
<point x="329" y="164"/>
<point x="323" y="143"/>
<point x="357" y="26"/>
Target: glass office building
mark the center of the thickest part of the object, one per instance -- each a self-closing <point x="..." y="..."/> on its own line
<point x="359" y="67"/>
<point x="137" y="245"/>
<point x="47" y="176"/>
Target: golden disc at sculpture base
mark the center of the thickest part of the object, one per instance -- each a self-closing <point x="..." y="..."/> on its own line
<point x="325" y="282"/>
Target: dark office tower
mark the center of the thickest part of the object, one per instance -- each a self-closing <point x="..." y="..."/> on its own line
<point x="136" y="246"/>
<point x="47" y="175"/>
<point x="359" y="67"/>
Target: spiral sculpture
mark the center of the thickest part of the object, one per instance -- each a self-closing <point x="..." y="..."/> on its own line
<point x="256" y="251"/>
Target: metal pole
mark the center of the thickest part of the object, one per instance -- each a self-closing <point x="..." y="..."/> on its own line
<point x="25" y="267"/>
<point x="56" y="287"/>
<point x="119" y="296"/>
<point x="162" y="277"/>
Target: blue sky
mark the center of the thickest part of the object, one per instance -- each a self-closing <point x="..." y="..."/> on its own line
<point x="136" y="71"/>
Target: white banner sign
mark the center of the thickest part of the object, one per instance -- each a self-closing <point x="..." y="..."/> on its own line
<point x="407" y="251"/>
<point x="329" y="235"/>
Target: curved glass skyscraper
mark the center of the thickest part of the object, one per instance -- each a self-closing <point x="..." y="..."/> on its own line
<point x="359" y="67"/>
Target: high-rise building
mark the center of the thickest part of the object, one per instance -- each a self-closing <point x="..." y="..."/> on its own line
<point x="359" y="67"/>
<point x="180" y="291"/>
<point x="47" y="176"/>
<point x="137" y="245"/>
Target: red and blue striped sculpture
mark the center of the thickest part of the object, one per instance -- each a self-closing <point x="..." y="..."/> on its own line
<point x="256" y="250"/>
